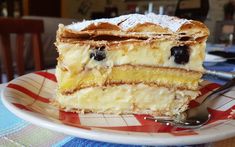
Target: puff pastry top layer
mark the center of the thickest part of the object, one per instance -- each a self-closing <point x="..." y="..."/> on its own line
<point x="135" y="25"/>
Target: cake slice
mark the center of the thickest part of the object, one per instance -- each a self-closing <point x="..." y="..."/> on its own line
<point x="131" y="64"/>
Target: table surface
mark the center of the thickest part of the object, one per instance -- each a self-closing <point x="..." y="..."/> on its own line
<point x="17" y="132"/>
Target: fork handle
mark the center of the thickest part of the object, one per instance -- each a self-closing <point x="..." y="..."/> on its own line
<point x="221" y="74"/>
<point x="224" y="88"/>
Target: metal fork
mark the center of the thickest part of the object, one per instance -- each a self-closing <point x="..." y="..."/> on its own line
<point x="197" y="116"/>
<point x="221" y="74"/>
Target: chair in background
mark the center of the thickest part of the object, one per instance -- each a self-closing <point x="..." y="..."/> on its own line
<point x="192" y="9"/>
<point x="224" y="32"/>
<point x="20" y="27"/>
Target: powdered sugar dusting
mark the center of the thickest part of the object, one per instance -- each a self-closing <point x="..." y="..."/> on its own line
<point x="172" y="23"/>
<point x="126" y="22"/>
<point x="85" y="24"/>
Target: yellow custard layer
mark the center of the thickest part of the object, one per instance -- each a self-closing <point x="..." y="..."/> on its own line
<point x="76" y="56"/>
<point x="178" y="78"/>
<point x="139" y="98"/>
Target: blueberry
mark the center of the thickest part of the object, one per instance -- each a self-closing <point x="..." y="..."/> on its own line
<point x="98" y="53"/>
<point x="181" y="54"/>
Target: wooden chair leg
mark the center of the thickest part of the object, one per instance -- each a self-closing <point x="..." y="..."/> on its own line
<point x="7" y="59"/>
<point x="20" y="53"/>
<point x="37" y="51"/>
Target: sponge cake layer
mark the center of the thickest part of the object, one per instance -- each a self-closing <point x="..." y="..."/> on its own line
<point x="168" y="77"/>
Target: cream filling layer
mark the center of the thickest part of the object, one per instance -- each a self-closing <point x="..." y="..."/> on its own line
<point x="76" y="57"/>
<point x="125" y="98"/>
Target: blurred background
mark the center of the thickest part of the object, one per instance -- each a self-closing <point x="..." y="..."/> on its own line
<point x="209" y="11"/>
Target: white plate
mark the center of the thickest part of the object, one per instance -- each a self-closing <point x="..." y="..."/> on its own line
<point x="213" y="59"/>
<point x="28" y="97"/>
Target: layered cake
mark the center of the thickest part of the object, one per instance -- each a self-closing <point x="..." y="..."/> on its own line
<point x="131" y="64"/>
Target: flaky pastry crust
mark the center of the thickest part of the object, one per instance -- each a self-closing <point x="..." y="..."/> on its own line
<point x="134" y="26"/>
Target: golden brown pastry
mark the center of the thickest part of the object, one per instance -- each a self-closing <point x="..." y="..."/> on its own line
<point x="145" y="64"/>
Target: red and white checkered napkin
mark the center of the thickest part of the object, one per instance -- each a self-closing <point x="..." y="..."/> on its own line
<point x="33" y="92"/>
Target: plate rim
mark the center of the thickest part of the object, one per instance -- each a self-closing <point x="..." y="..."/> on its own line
<point x="111" y="137"/>
<point x="220" y="59"/>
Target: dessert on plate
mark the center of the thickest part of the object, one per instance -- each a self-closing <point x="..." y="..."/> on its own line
<point x="131" y="64"/>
